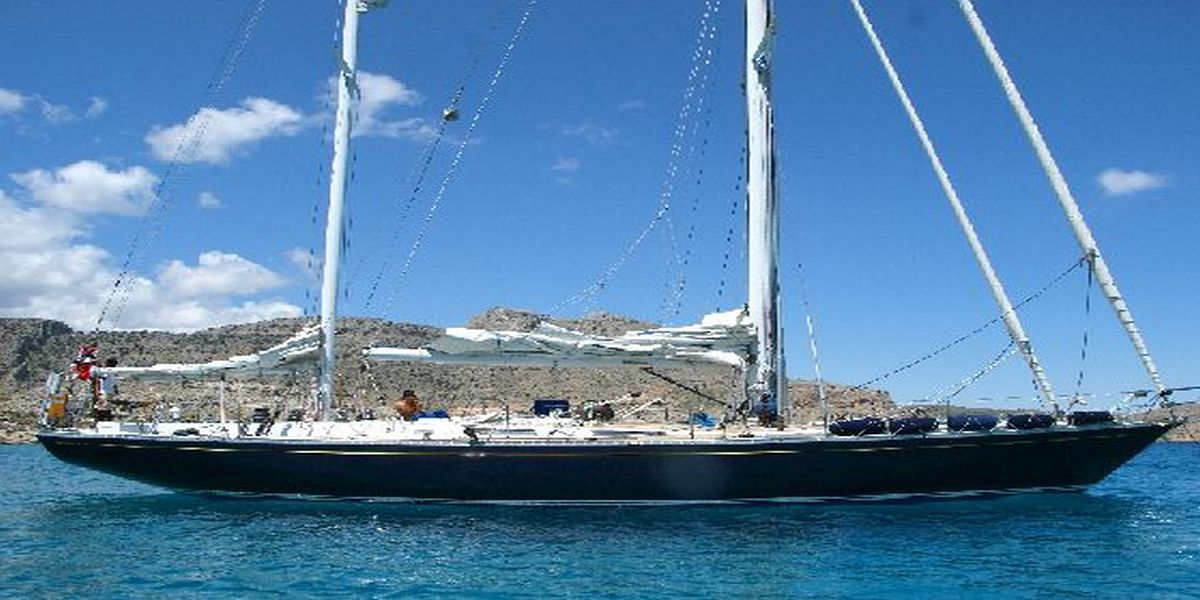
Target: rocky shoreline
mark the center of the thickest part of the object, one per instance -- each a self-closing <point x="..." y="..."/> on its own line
<point x="13" y="434"/>
<point x="32" y="348"/>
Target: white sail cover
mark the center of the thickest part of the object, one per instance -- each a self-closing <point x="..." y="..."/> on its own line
<point x="721" y="339"/>
<point x="280" y="359"/>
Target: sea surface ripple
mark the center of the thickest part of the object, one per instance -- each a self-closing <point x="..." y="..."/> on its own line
<point x="67" y="532"/>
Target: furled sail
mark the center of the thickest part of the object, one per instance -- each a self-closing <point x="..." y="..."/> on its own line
<point x="720" y="339"/>
<point x="283" y="358"/>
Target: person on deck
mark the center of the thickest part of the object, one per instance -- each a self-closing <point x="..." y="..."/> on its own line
<point x="605" y="412"/>
<point x="85" y="361"/>
<point x="408" y="405"/>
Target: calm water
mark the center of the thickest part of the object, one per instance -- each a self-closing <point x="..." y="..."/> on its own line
<point x="67" y="532"/>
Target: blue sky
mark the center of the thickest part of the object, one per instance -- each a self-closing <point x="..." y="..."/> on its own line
<point x="593" y="125"/>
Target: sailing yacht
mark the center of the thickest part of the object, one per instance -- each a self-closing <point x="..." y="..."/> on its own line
<point x="560" y="459"/>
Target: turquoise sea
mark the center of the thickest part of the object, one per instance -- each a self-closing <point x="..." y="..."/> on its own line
<point x="67" y="532"/>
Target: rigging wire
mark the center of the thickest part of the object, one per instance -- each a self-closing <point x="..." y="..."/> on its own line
<point x="1083" y="348"/>
<point x="310" y="260"/>
<point x="1012" y="322"/>
<point x="351" y="175"/>
<point x="417" y="176"/>
<point x="347" y="239"/>
<point x="415" y="180"/>
<point x="687" y="387"/>
<point x="733" y="221"/>
<point x="320" y="196"/>
<point x="456" y="161"/>
<point x="1062" y="192"/>
<point x="311" y="264"/>
<point x="185" y="150"/>
<point x="980" y="329"/>
<point x="941" y="396"/>
<point x="812" y="344"/>
<point x="700" y="62"/>
<point x="677" y="282"/>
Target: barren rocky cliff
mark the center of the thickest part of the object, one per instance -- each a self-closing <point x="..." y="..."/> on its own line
<point x="32" y="348"/>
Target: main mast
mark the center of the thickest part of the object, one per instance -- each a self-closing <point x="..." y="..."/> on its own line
<point x="346" y="88"/>
<point x="767" y="382"/>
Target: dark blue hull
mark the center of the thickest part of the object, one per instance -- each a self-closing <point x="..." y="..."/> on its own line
<point x="871" y="466"/>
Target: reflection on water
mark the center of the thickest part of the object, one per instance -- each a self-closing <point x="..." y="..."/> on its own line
<point x="1137" y="534"/>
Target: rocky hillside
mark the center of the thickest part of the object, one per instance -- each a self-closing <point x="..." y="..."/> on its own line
<point x="32" y="348"/>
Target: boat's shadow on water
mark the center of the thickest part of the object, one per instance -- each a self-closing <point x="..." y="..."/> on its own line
<point x="820" y="550"/>
<point x="967" y="515"/>
<point x="1136" y="531"/>
<point x="100" y="497"/>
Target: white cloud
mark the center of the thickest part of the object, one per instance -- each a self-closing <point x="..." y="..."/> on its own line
<point x="96" y="107"/>
<point x="11" y="102"/>
<point x="566" y="165"/>
<point x="215" y="136"/>
<point x="218" y="134"/>
<point x="593" y="133"/>
<point x="72" y="283"/>
<point x="632" y="105"/>
<point x="48" y="269"/>
<point x="193" y="315"/>
<point x="1118" y="182"/>
<point x="209" y="200"/>
<point x="308" y="263"/>
<point x="90" y="187"/>
<point x="60" y="282"/>
<point x="416" y="129"/>
<point x="380" y="91"/>
<point x="147" y="308"/>
<point x="186" y="298"/>
<point x="32" y="228"/>
<point x="55" y="113"/>
<point x="300" y="257"/>
<point x="217" y="274"/>
<point x="378" y="94"/>
<point x="43" y="270"/>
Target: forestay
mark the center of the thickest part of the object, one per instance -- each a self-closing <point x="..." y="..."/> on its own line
<point x="284" y="358"/>
<point x="720" y="339"/>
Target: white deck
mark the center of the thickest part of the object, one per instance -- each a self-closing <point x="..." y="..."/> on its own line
<point x="519" y="430"/>
<point x="516" y="430"/>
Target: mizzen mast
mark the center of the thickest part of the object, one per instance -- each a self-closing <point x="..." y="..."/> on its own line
<point x="767" y="381"/>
